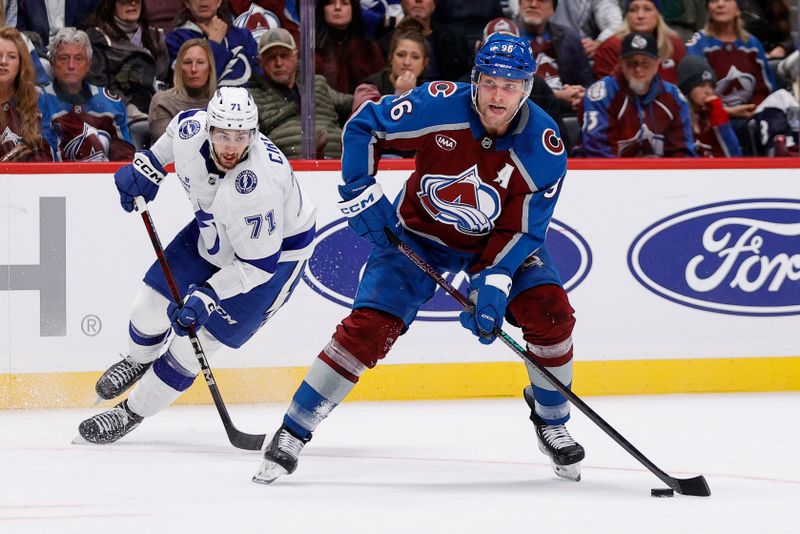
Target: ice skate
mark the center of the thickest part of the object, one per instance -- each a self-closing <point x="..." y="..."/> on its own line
<point x="280" y="456"/>
<point x="109" y="426"/>
<point x="554" y="440"/>
<point x="119" y="378"/>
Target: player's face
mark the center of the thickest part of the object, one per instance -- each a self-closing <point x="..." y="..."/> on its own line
<point x="722" y="11"/>
<point x="639" y="70"/>
<point x="70" y="66"/>
<point x="128" y="10"/>
<point x="195" y="68"/>
<point x="535" y="12"/>
<point x="202" y="10"/>
<point x="498" y="102"/>
<point x="338" y="14"/>
<point x="9" y="62"/>
<point x="408" y="56"/>
<point x="229" y="145"/>
<point x="280" y="65"/>
<point x="642" y="16"/>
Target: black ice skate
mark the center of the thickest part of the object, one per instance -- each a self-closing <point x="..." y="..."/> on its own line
<point x="554" y="440"/>
<point x="109" y="426"/>
<point x="119" y="378"/>
<point x="280" y="456"/>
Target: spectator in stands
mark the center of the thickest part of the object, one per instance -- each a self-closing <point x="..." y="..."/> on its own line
<point x="381" y="16"/>
<point x="234" y="48"/>
<point x="643" y="16"/>
<point x="684" y="17"/>
<point x="470" y="17"/>
<point x="560" y="58"/>
<point x="47" y="17"/>
<point x="194" y="82"/>
<point x="129" y="57"/>
<point x="40" y="66"/>
<point x="162" y="13"/>
<point x="633" y="113"/>
<point x="408" y="55"/>
<point x="259" y="16"/>
<point x="450" y="57"/>
<point x="768" y="21"/>
<point x="595" y="20"/>
<point x="277" y="96"/>
<point x="81" y="122"/>
<point x="20" y="133"/>
<point x="345" y="54"/>
<point x="713" y="135"/>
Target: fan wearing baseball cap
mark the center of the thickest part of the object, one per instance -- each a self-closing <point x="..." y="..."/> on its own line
<point x="633" y="112"/>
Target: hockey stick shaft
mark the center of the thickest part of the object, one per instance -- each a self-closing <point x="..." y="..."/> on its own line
<point x="694" y="486"/>
<point x="238" y="439"/>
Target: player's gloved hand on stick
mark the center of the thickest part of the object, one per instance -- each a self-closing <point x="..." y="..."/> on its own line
<point x="199" y="304"/>
<point x="368" y="210"/>
<point x="488" y="290"/>
<point x="140" y="178"/>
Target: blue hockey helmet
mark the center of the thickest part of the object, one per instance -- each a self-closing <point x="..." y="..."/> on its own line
<point x="504" y="56"/>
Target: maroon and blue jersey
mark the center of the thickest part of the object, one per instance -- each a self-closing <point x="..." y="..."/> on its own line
<point x="90" y="126"/>
<point x="742" y="68"/>
<point x="491" y="198"/>
<point x="619" y="123"/>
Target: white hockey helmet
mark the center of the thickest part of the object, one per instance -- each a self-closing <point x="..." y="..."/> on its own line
<point x="232" y="108"/>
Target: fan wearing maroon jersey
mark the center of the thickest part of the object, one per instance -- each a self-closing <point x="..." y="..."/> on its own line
<point x="489" y="168"/>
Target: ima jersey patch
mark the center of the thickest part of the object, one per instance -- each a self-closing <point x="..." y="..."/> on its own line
<point x="246" y="182"/>
<point x="463" y="201"/>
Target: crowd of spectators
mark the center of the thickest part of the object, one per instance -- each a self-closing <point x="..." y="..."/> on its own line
<point x="94" y="80"/>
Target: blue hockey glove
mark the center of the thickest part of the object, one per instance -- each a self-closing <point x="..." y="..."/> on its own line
<point x="140" y="178"/>
<point x="199" y="304"/>
<point x="368" y="210"/>
<point x="488" y="290"/>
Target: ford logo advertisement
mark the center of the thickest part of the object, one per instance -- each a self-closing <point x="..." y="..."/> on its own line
<point x="739" y="257"/>
<point x="340" y="255"/>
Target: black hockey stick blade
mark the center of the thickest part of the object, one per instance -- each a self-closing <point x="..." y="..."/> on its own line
<point x="696" y="486"/>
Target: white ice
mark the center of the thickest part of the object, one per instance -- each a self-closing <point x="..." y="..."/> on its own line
<point x="399" y="467"/>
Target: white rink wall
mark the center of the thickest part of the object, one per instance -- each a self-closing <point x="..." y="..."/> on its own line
<point x="643" y="253"/>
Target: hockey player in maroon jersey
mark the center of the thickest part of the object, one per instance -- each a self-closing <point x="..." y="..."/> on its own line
<point x="489" y="168"/>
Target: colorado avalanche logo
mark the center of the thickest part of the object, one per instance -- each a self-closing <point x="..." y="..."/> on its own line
<point x="552" y="142"/>
<point x="258" y="20"/>
<point x="8" y="140"/>
<point x="736" y="87"/>
<point x="463" y="201"/>
<point x="91" y="145"/>
<point x="189" y="129"/>
<point x="246" y="182"/>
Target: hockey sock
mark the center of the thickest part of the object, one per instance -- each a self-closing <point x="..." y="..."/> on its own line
<point x="551" y="406"/>
<point x="160" y="386"/>
<point x="144" y="348"/>
<point x="332" y="376"/>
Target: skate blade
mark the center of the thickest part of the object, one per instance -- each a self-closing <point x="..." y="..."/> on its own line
<point x="98" y="399"/>
<point x="268" y="473"/>
<point x="79" y="440"/>
<point x="568" y="472"/>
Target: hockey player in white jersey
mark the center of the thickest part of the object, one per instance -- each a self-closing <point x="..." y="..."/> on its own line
<point x="236" y="263"/>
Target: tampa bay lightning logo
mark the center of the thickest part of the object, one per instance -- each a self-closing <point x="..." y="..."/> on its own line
<point x="737" y="257"/>
<point x="463" y="201"/>
<point x="189" y="129"/>
<point x="246" y="181"/>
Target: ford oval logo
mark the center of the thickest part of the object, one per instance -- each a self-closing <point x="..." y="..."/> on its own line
<point x="340" y="255"/>
<point x="740" y="257"/>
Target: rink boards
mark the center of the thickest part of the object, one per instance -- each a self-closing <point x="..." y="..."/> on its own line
<point x="685" y="277"/>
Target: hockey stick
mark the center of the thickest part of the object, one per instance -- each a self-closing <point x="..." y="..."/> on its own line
<point x="696" y="486"/>
<point x="239" y="439"/>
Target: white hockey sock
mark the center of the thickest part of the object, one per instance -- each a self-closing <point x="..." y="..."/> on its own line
<point x="151" y="395"/>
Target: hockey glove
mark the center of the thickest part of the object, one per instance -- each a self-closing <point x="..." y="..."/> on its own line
<point x="488" y="290"/>
<point x="199" y="304"/>
<point x="140" y="178"/>
<point x="368" y="210"/>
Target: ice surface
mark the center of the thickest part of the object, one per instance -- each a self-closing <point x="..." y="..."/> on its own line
<point x="444" y="467"/>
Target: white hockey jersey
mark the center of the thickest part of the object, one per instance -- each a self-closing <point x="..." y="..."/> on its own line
<point x="251" y="217"/>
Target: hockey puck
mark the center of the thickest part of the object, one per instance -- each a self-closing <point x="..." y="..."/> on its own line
<point x="662" y="492"/>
